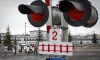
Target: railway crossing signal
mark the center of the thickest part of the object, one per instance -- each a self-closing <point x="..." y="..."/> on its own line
<point x="79" y="12"/>
<point x="37" y="12"/>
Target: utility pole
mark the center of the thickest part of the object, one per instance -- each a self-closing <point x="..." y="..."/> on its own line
<point x="15" y="43"/>
<point x="25" y="32"/>
<point x="49" y="22"/>
<point x="0" y="39"/>
<point x="64" y="27"/>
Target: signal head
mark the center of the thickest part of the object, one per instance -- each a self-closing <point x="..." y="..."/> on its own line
<point x="76" y="13"/>
<point x="37" y="12"/>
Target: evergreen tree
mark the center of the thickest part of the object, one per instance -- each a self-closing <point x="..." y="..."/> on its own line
<point x="94" y="39"/>
<point x="39" y="36"/>
<point x="7" y="39"/>
<point x="69" y="37"/>
<point x="81" y="42"/>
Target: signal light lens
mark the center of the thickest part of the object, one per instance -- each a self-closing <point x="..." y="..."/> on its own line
<point x="75" y="14"/>
<point x="74" y="10"/>
<point x="37" y="17"/>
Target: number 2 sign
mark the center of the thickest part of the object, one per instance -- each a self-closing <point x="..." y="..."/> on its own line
<point x="54" y="35"/>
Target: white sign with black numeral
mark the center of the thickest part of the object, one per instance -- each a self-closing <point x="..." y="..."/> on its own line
<point x="54" y="35"/>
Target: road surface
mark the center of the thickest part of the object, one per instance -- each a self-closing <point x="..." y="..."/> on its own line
<point x="79" y="54"/>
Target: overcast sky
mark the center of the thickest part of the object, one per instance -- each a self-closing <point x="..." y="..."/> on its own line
<point x="9" y="15"/>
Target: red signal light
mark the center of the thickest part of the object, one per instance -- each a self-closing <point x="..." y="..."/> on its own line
<point x="75" y="14"/>
<point x="36" y="17"/>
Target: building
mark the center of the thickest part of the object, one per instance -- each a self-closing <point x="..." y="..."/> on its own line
<point x="24" y="39"/>
<point x="35" y="33"/>
<point x="87" y="39"/>
<point x="31" y="38"/>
